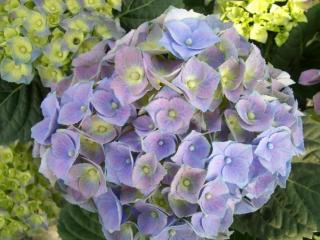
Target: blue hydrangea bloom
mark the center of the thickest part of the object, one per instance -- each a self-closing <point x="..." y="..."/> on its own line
<point x="187" y="37"/>
<point x="193" y="150"/>
<point x="182" y="126"/>
<point x="256" y="114"/>
<point x="161" y="144"/>
<point x="64" y="150"/>
<point x="75" y="103"/>
<point x="275" y="149"/>
<point x="230" y="161"/>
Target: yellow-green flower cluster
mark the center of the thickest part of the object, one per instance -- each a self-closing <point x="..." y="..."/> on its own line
<point x="255" y="19"/>
<point x="27" y="206"/>
<point x="42" y="36"/>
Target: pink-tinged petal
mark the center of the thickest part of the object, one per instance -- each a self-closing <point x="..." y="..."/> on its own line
<point x="198" y="81"/>
<point x="310" y="77"/>
<point x="232" y="74"/>
<point x="147" y="173"/>
<point x="214" y="198"/>
<point x="86" y="72"/>
<point x="255" y="68"/>
<point x="242" y="45"/>
<point x="99" y="130"/>
<point x="130" y="82"/>
<point x="88" y="179"/>
<point x="187" y="183"/>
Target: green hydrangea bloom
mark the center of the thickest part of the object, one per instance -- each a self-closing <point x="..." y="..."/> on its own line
<point x="42" y="37"/>
<point x="255" y="19"/>
<point x="28" y="204"/>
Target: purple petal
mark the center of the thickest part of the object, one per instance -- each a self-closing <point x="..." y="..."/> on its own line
<point x="109" y="210"/>
<point x="161" y="144"/>
<point x="310" y="77"/>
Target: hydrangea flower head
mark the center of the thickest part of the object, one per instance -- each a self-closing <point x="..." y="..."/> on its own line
<point x="44" y="36"/>
<point x="30" y="203"/>
<point x="255" y="19"/>
<point x="172" y="138"/>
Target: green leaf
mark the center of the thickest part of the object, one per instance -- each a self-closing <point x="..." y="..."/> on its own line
<point x="239" y="236"/>
<point x="299" y="53"/>
<point x="292" y="213"/>
<point x="19" y="110"/>
<point x="200" y="6"/>
<point x="136" y="12"/>
<point x="76" y="223"/>
<point x="311" y="125"/>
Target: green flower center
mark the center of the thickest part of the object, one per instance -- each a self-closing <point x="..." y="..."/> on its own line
<point x="191" y="84"/>
<point x="23" y="49"/>
<point x="186" y="182"/>
<point x="146" y="169"/>
<point x="135" y="76"/>
<point x="54" y="73"/>
<point x="114" y="105"/>
<point x="92" y="172"/>
<point x="172" y="113"/>
<point x="172" y="232"/>
<point x="251" y="116"/>
<point x="154" y="214"/>
<point x="60" y="54"/>
<point x="102" y="129"/>
<point x="39" y="22"/>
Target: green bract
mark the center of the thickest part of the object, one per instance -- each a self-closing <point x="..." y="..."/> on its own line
<point x="255" y="19"/>
<point x="44" y="36"/>
<point x="26" y="202"/>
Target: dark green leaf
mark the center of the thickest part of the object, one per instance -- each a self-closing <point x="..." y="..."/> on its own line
<point x="200" y="6"/>
<point x="19" y="110"/>
<point x="136" y="12"/>
<point x="292" y="213"/>
<point x="239" y="236"/>
<point x="78" y="224"/>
